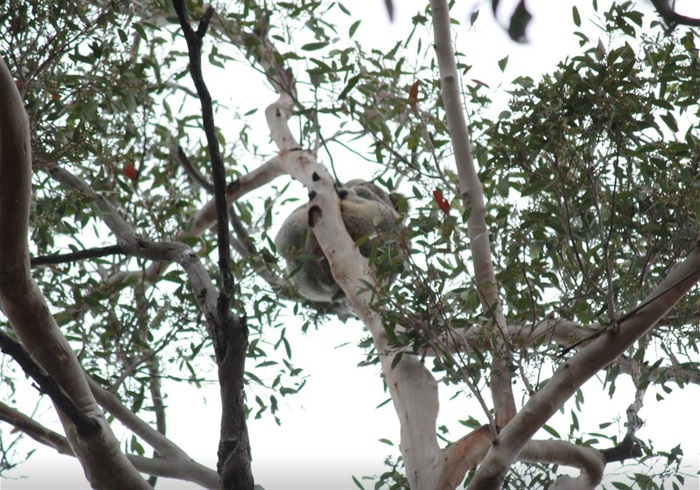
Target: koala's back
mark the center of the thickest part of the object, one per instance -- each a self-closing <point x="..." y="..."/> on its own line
<point x="367" y="210"/>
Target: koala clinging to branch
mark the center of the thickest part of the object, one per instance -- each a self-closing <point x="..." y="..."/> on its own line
<point x="368" y="211"/>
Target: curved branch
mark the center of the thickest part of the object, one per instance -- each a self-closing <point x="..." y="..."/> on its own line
<point x="183" y="467"/>
<point x="35" y="430"/>
<point x="413" y="388"/>
<point x="589" y="461"/>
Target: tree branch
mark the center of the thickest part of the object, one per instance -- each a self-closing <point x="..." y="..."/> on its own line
<point x="85" y="425"/>
<point x="206" y="217"/>
<point x="90" y="253"/>
<point x="671" y="17"/>
<point x="182" y="466"/>
<point x="202" y="286"/>
<point x="629" y="448"/>
<point x="178" y="154"/>
<point x="194" y="48"/>
<point x="581" y="367"/>
<point x="413" y="388"/>
<point x="35" y="430"/>
<point x="563" y="453"/>
<point x="473" y="199"/>
<point x="168" y="467"/>
<point x="231" y="339"/>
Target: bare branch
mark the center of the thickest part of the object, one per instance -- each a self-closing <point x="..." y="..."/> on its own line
<point x="671" y="17"/>
<point x="231" y="334"/>
<point x="629" y="448"/>
<point x="194" y="45"/>
<point x="182" y="466"/>
<point x="564" y="453"/>
<point x="35" y="430"/>
<point x="90" y="253"/>
<point x="169" y="467"/>
<point x="473" y="197"/>
<point x="178" y="154"/>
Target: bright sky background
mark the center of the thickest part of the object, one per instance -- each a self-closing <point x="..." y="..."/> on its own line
<point x="331" y="430"/>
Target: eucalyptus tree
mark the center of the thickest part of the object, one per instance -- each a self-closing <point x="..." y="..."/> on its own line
<point x="536" y="248"/>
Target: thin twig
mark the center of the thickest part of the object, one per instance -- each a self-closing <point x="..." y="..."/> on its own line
<point x="90" y="253"/>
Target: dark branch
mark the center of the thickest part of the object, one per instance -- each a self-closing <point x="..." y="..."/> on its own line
<point x="671" y="18"/>
<point x="627" y="449"/>
<point x="194" y="45"/>
<point x="85" y="425"/>
<point x="90" y="253"/>
<point x="231" y="334"/>
<point x="193" y="172"/>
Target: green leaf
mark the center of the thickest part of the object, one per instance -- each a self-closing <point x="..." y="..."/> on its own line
<point x="551" y="431"/>
<point x="357" y="482"/>
<point x="354" y="27"/>
<point x="351" y="84"/>
<point x="577" y="16"/>
<point x="314" y="46"/>
<point x="670" y="121"/>
<point x="140" y="31"/>
<point x="620" y="485"/>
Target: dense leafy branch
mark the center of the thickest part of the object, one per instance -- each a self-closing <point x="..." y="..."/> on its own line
<point x="25" y="306"/>
<point x="584" y="364"/>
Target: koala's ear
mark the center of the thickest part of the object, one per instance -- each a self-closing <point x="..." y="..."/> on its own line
<point x="400" y="203"/>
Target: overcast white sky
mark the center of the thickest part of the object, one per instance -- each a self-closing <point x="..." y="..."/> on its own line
<point x="331" y="430"/>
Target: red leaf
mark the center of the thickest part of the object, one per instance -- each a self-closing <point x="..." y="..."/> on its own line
<point x="413" y="96"/>
<point x="130" y="172"/>
<point x="440" y="200"/>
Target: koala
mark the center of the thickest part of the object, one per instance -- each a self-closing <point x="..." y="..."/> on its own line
<point x="367" y="210"/>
